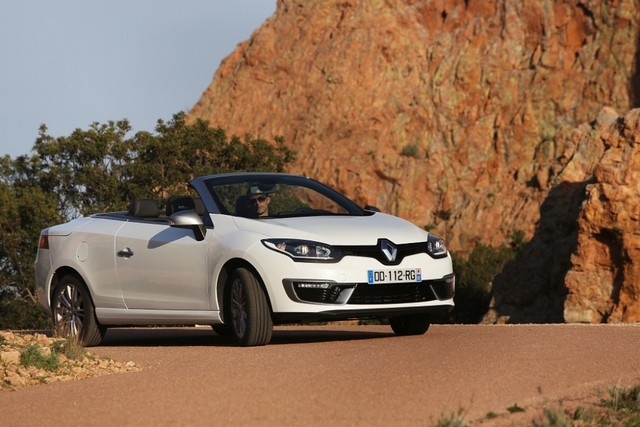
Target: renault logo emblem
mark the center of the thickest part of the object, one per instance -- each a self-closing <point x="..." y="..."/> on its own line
<point x="388" y="249"/>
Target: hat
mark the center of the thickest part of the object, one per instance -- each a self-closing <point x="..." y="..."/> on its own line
<point x="261" y="188"/>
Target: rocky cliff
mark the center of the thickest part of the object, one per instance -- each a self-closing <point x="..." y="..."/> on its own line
<point x="603" y="284"/>
<point x="457" y="115"/>
<point x="583" y="263"/>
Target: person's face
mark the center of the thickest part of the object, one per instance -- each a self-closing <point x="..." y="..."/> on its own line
<point x="261" y="204"/>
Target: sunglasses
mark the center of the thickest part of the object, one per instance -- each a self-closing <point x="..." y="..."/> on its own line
<point x="260" y="199"/>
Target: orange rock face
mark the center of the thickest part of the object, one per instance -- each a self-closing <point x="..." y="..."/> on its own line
<point x="583" y="263"/>
<point x="603" y="283"/>
<point x="443" y="112"/>
<point x="460" y="116"/>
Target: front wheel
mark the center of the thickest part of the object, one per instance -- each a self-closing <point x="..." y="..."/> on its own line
<point x="74" y="315"/>
<point x="224" y="330"/>
<point x="412" y="324"/>
<point x="251" y="322"/>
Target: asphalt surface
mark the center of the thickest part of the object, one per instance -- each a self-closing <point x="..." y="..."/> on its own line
<point x="334" y="375"/>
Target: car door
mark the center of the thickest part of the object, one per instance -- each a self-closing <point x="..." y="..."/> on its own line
<point x="161" y="267"/>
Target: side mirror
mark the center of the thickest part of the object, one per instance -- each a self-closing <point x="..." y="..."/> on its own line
<point x="189" y="220"/>
<point x="371" y="208"/>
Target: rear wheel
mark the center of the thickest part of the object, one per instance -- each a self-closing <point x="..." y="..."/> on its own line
<point x="251" y="322"/>
<point x="412" y="324"/>
<point x="74" y="315"/>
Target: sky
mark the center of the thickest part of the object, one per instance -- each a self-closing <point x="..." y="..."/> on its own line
<point x="69" y="63"/>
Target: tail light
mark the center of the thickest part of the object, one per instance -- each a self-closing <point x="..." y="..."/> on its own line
<point x="43" y="243"/>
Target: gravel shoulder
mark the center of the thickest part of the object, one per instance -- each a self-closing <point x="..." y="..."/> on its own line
<point x="345" y="375"/>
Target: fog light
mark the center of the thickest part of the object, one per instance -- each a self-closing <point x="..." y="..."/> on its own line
<point x="313" y="285"/>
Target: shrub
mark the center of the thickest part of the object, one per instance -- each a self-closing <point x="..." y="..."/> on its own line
<point x="34" y="356"/>
<point x="475" y="275"/>
<point x="70" y="348"/>
<point x="411" y="150"/>
<point x="22" y="313"/>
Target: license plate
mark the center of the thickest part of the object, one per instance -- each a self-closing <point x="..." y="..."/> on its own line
<point x="398" y="275"/>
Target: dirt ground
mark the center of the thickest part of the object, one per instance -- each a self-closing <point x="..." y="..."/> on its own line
<point x="339" y="375"/>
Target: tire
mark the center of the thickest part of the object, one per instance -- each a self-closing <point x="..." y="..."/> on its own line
<point x="251" y="323"/>
<point x="224" y="330"/>
<point x="74" y="314"/>
<point x="413" y="324"/>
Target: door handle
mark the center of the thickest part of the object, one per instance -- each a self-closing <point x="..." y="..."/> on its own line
<point x="125" y="253"/>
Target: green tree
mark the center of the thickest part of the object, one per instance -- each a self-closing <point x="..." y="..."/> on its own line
<point x="24" y="210"/>
<point x="166" y="161"/>
<point x="87" y="169"/>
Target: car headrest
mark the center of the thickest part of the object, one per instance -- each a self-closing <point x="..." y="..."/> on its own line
<point x="144" y="208"/>
<point x="180" y="203"/>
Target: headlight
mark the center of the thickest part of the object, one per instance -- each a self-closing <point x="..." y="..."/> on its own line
<point x="303" y="250"/>
<point x="436" y="247"/>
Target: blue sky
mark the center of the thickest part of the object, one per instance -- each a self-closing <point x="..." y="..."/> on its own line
<point x="69" y="63"/>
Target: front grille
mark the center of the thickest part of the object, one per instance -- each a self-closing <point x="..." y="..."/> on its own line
<point x="397" y="293"/>
<point x="392" y="293"/>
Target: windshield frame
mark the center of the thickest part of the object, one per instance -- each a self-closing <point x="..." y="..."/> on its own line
<point x="206" y="188"/>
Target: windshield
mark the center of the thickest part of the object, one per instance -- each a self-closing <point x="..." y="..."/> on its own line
<point x="275" y="196"/>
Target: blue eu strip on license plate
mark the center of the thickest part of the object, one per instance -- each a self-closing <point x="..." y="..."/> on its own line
<point x="400" y="275"/>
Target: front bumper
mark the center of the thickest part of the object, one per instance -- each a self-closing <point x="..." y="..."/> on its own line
<point x="325" y="292"/>
<point x="343" y="301"/>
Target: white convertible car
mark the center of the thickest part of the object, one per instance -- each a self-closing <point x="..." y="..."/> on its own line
<point x="244" y="252"/>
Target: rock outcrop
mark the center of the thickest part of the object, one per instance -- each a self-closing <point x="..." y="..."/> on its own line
<point x="443" y="112"/>
<point x="583" y="263"/>
<point x="457" y="115"/>
<point x="603" y="284"/>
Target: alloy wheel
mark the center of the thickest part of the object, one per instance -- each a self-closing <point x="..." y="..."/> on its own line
<point x="239" y="308"/>
<point x="70" y="312"/>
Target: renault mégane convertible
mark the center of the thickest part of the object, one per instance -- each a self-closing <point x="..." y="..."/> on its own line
<point x="241" y="253"/>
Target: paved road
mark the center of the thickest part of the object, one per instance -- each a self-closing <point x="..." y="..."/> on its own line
<point x="333" y="375"/>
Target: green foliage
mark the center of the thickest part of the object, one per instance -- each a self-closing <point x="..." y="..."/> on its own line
<point x="100" y="169"/>
<point x="513" y="409"/>
<point x="475" y="275"/>
<point x="34" y="356"/>
<point x="518" y="240"/>
<point x="622" y="408"/>
<point x="552" y="418"/>
<point x="87" y="170"/>
<point x="24" y="211"/>
<point x="180" y="152"/>
<point x="443" y="214"/>
<point x="455" y="419"/>
<point x="22" y="313"/>
<point x="48" y="358"/>
<point x="624" y="399"/>
<point x="411" y="150"/>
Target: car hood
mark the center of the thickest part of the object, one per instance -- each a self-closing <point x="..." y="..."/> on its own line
<point x="337" y="230"/>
